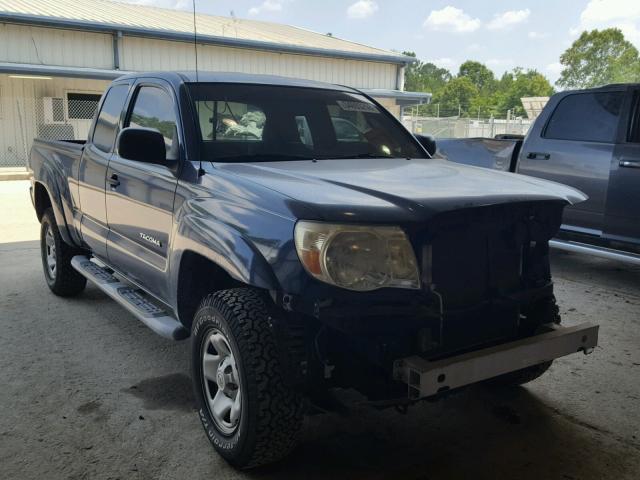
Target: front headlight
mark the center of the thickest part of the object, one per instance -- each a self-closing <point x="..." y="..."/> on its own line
<point x="357" y="257"/>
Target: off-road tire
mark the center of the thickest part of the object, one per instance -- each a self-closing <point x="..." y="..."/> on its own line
<point x="544" y="311"/>
<point x="272" y="411"/>
<point x="66" y="282"/>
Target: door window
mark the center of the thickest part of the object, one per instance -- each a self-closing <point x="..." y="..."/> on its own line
<point x="634" y="127"/>
<point x="104" y="134"/>
<point x="153" y="108"/>
<point x="587" y="117"/>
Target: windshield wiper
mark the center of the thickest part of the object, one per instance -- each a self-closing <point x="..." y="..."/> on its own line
<point x="356" y="155"/>
<point x="268" y="157"/>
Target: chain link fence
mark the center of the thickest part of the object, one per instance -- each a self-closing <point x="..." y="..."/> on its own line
<point x="23" y="119"/>
<point x="454" y="127"/>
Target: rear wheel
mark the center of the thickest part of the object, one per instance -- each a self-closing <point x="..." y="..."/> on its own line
<point x="250" y="414"/>
<point x="61" y="277"/>
<point x="542" y="312"/>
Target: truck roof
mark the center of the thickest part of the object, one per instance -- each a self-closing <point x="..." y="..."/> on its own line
<point x="179" y="77"/>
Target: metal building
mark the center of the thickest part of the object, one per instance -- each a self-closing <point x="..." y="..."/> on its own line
<point x="57" y="57"/>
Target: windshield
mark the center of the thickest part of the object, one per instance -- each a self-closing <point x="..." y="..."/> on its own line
<point x="246" y="123"/>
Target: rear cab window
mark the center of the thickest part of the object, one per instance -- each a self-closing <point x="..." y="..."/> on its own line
<point x="104" y="134"/>
<point x="586" y="117"/>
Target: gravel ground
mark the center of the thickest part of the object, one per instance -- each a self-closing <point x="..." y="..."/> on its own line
<point x="88" y="392"/>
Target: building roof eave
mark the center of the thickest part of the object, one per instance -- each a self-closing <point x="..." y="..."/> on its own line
<point x="72" y="24"/>
<point x="59" y="71"/>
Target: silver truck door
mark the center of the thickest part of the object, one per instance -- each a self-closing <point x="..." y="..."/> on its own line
<point x="93" y="169"/>
<point x="575" y="147"/>
<point x="140" y="195"/>
<point x="623" y="202"/>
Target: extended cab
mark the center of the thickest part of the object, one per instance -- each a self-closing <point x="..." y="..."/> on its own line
<point x="305" y="241"/>
<point x="589" y="139"/>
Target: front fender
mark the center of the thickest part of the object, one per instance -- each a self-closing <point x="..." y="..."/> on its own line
<point x="224" y="246"/>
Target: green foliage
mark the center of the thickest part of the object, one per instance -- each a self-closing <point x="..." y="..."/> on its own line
<point x="457" y="95"/>
<point x="474" y="91"/>
<point x="425" y="77"/>
<point x="599" y="57"/>
<point x="480" y="75"/>
<point x="518" y="84"/>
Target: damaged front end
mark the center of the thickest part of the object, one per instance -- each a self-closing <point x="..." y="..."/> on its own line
<point x="485" y="281"/>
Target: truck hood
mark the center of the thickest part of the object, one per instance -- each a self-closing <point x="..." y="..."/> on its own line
<point x="394" y="189"/>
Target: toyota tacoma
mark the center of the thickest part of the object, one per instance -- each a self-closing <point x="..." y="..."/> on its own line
<point x="304" y="241"/>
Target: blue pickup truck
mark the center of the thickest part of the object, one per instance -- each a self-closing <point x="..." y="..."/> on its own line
<point x="304" y="241"/>
<point x="590" y="140"/>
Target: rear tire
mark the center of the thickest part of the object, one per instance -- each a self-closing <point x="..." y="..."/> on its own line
<point x="235" y="354"/>
<point x="61" y="277"/>
<point x="544" y="311"/>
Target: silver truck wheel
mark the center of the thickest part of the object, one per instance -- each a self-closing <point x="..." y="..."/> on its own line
<point x="249" y="411"/>
<point x="222" y="383"/>
<point x="60" y="276"/>
<point x="50" y="252"/>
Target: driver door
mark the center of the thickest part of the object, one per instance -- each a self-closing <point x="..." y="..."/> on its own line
<point x="140" y="195"/>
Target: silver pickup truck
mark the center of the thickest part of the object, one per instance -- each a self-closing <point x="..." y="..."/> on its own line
<point x="590" y="140"/>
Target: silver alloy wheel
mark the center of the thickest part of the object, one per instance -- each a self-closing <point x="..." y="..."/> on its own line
<point x="221" y="382"/>
<point x="50" y="246"/>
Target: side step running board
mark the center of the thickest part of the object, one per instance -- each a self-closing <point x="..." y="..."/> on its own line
<point x="596" y="251"/>
<point x="136" y="301"/>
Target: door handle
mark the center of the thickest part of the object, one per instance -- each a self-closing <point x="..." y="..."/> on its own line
<point x="113" y="181"/>
<point x="629" y="164"/>
<point x="538" y="156"/>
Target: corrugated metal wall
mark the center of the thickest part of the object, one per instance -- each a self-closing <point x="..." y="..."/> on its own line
<point x="21" y="111"/>
<point x="48" y="46"/>
<point x="21" y="100"/>
<point x="148" y="54"/>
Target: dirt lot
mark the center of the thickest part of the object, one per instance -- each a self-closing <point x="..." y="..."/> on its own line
<point x="88" y="392"/>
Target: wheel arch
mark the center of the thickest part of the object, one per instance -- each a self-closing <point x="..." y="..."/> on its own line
<point x="43" y="199"/>
<point x="209" y="256"/>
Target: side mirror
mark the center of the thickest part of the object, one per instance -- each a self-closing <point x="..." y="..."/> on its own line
<point x="142" y="145"/>
<point x="428" y="142"/>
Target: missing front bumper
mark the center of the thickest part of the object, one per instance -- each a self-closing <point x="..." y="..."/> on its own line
<point x="426" y="378"/>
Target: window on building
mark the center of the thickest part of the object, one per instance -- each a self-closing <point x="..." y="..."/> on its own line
<point x="588" y="117"/>
<point x="82" y="106"/>
<point x="107" y="123"/>
<point x="153" y="108"/>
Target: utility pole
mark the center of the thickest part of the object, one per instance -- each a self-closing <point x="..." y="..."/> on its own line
<point x="459" y="110"/>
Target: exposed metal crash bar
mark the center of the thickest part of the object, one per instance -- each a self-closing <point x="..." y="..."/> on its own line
<point x="602" y="252"/>
<point x="426" y="378"/>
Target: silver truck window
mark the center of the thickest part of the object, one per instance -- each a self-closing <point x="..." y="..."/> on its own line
<point x="104" y="134"/>
<point x="587" y="117"/>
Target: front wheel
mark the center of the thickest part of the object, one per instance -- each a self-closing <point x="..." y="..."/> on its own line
<point x="250" y="414"/>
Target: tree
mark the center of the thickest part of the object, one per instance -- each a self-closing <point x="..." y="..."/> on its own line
<point x="480" y="75"/>
<point x="520" y="83"/>
<point x="425" y="77"/>
<point x="599" y="57"/>
<point x="456" y="96"/>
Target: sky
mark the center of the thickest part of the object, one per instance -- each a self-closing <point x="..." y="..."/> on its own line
<point x="501" y="34"/>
